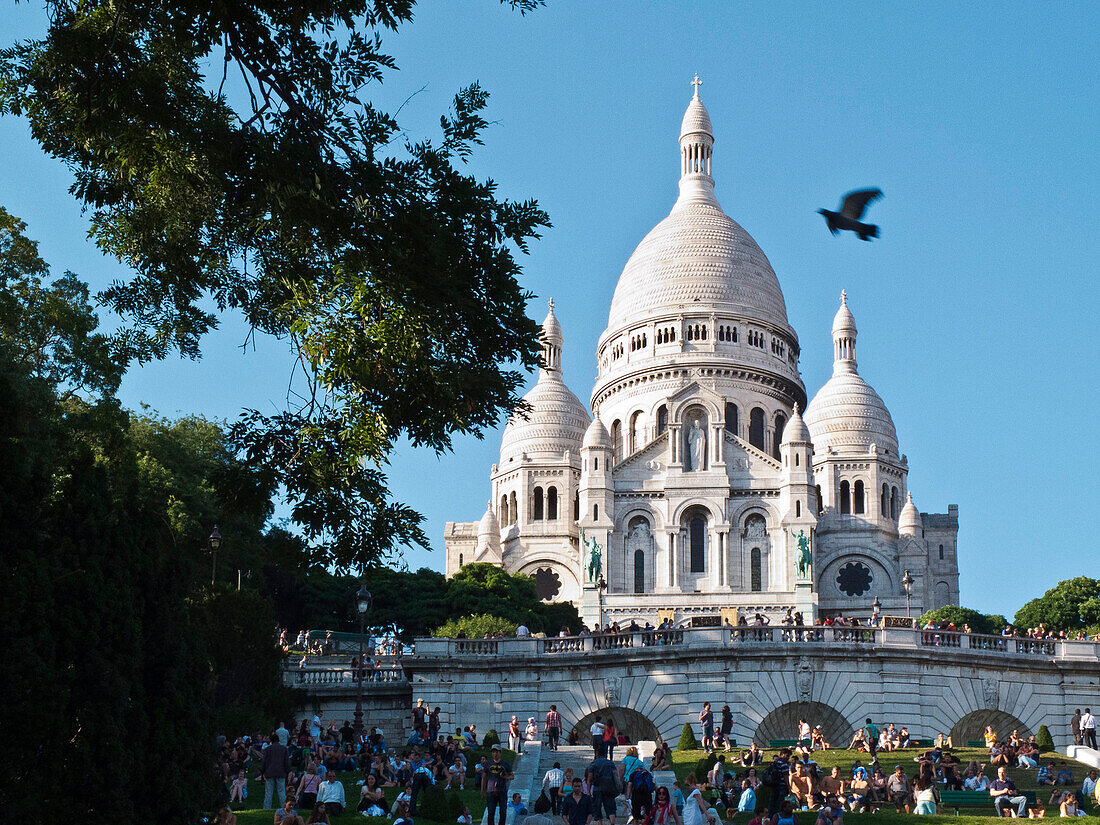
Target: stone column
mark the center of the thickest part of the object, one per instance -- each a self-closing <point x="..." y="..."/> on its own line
<point x="672" y="557"/>
<point x="716" y="558"/>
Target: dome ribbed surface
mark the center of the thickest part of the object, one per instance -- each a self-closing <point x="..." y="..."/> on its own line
<point x="795" y="431"/>
<point x="848" y="413"/>
<point x="556" y="423"/>
<point x="597" y="436"/>
<point x="909" y="520"/>
<point x="488" y="524"/>
<point x="696" y="119"/>
<point x="698" y="259"/>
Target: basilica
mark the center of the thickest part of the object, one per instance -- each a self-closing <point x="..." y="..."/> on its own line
<point x="703" y="488"/>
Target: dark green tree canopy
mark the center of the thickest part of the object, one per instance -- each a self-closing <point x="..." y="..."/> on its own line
<point x="230" y="153"/>
<point x="1071" y="605"/>
<point x="979" y="622"/>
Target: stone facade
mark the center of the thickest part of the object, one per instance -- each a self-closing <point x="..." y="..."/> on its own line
<point x="929" y="682"/>
<point x="697" y="483"/>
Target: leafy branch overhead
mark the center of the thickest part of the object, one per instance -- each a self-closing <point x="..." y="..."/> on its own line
<point x="229" y="155"/>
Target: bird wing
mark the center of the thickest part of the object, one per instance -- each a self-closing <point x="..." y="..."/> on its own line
<point x="856" y="203"/>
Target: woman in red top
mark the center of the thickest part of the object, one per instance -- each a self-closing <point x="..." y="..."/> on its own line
<point x="610" y="738"/>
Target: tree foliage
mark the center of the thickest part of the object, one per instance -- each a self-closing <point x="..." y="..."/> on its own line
<point x="475" y="627"/>
<point x="979" y="622"/>
<point x="230" y="156"/>
<point x="687" y="742"/>
<point x="1071" y="605"/>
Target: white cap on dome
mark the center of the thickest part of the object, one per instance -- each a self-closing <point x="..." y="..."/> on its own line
<point x="551" y="329"/>
<point x="596" y="436"/>
<point x="909" y="520"/>
<point x="488" y="535"/>
<point x="696" y="118"/>
<point x="847" y="414"/>
<point x="795" y="431"/>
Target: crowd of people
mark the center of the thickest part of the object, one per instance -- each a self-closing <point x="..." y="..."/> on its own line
<point x="312" y="643"/>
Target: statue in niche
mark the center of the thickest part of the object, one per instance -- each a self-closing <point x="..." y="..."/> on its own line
<point x="594" y="565"/>
<point x="804" y="560"/>
<point x="697" y="446"/>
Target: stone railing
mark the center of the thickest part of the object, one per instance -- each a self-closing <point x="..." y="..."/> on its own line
<point x="792" y="637"/>
<point x="340" y="676"/>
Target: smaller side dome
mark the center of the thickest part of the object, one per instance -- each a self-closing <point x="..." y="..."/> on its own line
<point x="488" y="537"/>
<point x="844" y="321"/>
<point x="488" y="525"/>
<point x="909" y="520"/>
<point x="796" y="431"/>
<point x="596" y="436"/>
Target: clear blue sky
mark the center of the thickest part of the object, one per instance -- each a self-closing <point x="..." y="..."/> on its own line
<point x="975" y="309"/>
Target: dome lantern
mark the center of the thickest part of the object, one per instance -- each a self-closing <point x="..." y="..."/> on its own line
<point x="844" y="337"/>
<point x="551" y="339"/>
<point x="696" y="149"/>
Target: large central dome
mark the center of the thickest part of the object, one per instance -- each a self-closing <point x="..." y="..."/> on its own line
<point x="698" y="258"/>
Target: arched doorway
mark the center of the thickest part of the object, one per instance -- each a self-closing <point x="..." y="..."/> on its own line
<point x="628" y="722"/>
<point x="972" y="726"/>
<point x="782" y="723"/>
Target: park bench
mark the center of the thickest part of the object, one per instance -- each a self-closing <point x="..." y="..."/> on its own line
<point x="974" y="799"/>
<point x="976" y="743"/>
<point x="782" y="743"/>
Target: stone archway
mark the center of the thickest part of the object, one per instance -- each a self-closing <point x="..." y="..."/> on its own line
<point x="629" y="722"/>
<point x="782" y="723"/>
<point x="971" y="727"/>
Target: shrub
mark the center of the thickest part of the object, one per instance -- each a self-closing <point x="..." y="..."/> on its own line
<point x="687" y="742"/>
<point x="438" y="804"/>
<point x="490" y="738"/>
<point x="1043" y="740"/>
<point x="475" y="627"/>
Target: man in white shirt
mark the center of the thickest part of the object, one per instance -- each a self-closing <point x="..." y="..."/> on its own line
<point x="979" y="782"/>
<point x="1088" y="729"/>
<point x="1088" y="787"/>
<point x="315" y="728"/>
<point x="551" y="783"/>
<point x="597" y="736"/>
<point x="331" y="794"/>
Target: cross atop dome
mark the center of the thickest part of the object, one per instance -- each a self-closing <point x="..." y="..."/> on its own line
<point x="696" y="83"/>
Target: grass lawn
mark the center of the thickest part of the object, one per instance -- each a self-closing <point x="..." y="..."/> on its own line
<point x="683" y="763"/>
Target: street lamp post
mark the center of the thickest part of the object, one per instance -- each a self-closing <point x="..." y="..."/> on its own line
<point x="876" y="609"/>
<point x="363" y="601"/>
<point x="907" y="582"/>
<point x="215" y="542"/>
<point x="601" y="585"/>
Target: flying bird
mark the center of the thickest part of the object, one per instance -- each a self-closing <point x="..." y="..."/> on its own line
<point x="852" y="208"/>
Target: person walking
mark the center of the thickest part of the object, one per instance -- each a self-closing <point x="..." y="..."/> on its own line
<point x="1088" y="729"/>
<point x="552" y="783"/>
<point x="494" y="787"/>
<point x="1075" y="727"/>
<point x="597" y="737"/>
<point x="276" y="768"/>
<point x="605" y="788"/>
<point x="553" y="728"/>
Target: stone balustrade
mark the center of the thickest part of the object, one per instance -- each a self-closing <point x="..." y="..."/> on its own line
<point x="340" y="676"/>
<point x="792" y="638"/>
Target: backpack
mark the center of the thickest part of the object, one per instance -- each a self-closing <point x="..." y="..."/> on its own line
<point x="642" y="780"/>
<point x="771" y="776"/>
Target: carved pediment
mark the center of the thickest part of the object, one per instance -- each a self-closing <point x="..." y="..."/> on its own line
<point x="656" y="450"/>
<point x="738" y="451"/>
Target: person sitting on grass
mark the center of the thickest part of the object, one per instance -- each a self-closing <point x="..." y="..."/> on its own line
<point x="402" y="814"/>
<point x="331" y="794"/>
<point x="319" y="816"/>
<point x="830" y="816"/>
<point x="1045" y="776"/>
<point x="859" y="789"/>
<point x="224" y="816"/>
<point x="801" y="785"/>
<point x="1038" y="810"/>
<point x="456" y="774"/>
<point x="372" y="799"/>
<point x="287" y="815"/>
<point x="976" y="781"/>
<point x="1006" y="795"/>
<point x="1069" y="806"/>
<point x="238" y="791"/>
<point x="785" y="815"/>
<point x="465" y="818"/>
<point x="1064" y="775"/>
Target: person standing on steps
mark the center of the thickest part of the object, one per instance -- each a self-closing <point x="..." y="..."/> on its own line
<point x="597" y="737"/>
<point x="1075" y="727"/>
<point x="494" y="787"/>
<point x="552" y="784"/>
<point x="1088" y="729"/>
<point x="553" y="728"/>
<point x="604" y="777"/>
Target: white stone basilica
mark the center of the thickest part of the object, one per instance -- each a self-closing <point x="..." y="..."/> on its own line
<point x="698" y="491"/>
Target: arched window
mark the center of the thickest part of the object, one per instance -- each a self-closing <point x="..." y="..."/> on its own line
<point x="576" y="506"/>
<point x="552" y="503"/>
<point x="731" y="418"/>
<point x="885" y="500"/>
<point x="513" y="509"/>
<point x="857" y="498"/>
<point x="595" y="463"/>
<point x="637" y="434"/>
<point x="820" y="503"/>
<point x="596" y="512"/>
<point x="797" y="460"/>
<point x="754" y="570"/>
<point x="780" y="423"/>
<point x="504" y="510"/>
<point x="662" y="419"/>
<point x="797" y="509"/>
<point x="617" y="439"/>
<point x="697" y="538"/>
<point x="639" y="571"/>
<point x="845" y="498"/>
<point x="894" y="502"/>
<point x="459" y="559"/>
<point x="941" y="552"/>
<point x="756" y="428"/>
<point x="536" y="511"/>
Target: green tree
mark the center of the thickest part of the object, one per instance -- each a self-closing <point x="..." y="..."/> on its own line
<point x="979" y="622"/>
<point x="487" y="589"/>
<point x="475" y="627"/>
<point x="1070" y="605"/>
<point x="230" y="156"/>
